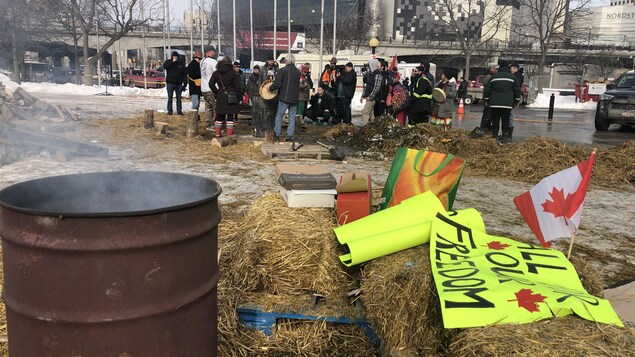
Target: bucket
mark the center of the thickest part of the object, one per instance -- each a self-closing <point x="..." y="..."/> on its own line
<point x="111" y="264"/>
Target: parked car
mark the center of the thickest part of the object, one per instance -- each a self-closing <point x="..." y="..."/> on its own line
<point x="153" y="78"/>
<point x="617" y="104"/>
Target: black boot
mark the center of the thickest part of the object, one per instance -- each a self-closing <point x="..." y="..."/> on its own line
<point x="511" y="132"/>
<point x="506" y="138"/>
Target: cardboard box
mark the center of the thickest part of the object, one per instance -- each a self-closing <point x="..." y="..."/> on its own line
<point x="353" y="182"/>
<point x="304" y="177"/>
<point x="352" y="206"/>
<point x="309" y="198"/>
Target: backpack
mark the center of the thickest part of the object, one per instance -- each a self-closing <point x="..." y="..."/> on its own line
<point x="399" y="97"/>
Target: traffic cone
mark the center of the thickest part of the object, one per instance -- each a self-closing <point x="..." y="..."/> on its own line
<point x="461" y="107"/>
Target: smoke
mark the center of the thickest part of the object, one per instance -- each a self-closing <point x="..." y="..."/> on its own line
<point x="118" y="193"/>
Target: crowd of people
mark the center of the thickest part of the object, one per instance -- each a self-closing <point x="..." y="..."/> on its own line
<point x="290" y="89"/>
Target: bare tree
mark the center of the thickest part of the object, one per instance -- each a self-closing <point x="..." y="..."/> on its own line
<point x="544" y="22"/>
<point x="113" y="18"/>
<point x="475" y="22"/>
<point x="352" y="31"/>
<point x="22" y="20"/>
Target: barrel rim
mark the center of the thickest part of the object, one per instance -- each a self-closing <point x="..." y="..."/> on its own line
<point x="132" y="213"/>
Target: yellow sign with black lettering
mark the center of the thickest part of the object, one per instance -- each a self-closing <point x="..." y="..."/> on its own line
<point x="484" y="280"/>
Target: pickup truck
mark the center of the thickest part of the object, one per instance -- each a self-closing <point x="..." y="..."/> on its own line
<point x="153" y="78"/>
<point x="617" y="104"/>
<point x="475" y="91"/>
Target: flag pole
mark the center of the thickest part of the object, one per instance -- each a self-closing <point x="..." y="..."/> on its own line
<point x="571" y="245"/>
<point x="595" y="150"/>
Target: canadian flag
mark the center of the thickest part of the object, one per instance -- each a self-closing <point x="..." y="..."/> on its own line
<point x="553" y="207"/>
<point x="393" y="64"/>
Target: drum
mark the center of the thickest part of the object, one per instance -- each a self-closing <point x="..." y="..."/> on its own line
<point x="438" y="95"/>
<point x="264" y="90"/>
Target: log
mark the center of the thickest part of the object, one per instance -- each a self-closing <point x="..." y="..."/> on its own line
<point x="161" y="127"/>
<point x="71" y="114"/>
<point x="58" y="108"/>
<point x="148" y="121"/>
<point x="270" y="137"/>
<point x="21" y="95"/>
<point x="224" y="141"/>
<point x="192" y="124"/>
<point x="43" y="106"/>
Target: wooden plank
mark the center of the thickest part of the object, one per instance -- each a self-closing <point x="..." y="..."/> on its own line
<point x="284" y="152"/>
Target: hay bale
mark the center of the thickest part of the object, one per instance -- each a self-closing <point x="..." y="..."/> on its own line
<point x="563" y="336"/>
<point x="282" y="250"/>
<point x="401" y="303"/>
<point x="315" y="338"/>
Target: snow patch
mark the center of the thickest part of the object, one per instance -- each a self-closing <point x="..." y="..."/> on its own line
<point x="562" y="102"/>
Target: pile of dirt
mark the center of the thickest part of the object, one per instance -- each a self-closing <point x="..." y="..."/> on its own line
<point x="528" y="160"/>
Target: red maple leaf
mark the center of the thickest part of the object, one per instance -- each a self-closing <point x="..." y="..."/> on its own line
<point x="528" y="300"/>
<point x="561" y="206"/>
<point x="496" y="245"/>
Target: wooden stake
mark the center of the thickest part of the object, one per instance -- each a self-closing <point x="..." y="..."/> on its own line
<point x="224" y="141"/>
<point x="270" y="137"/>
<point x="192" y="124"/>
<point x="148" y="122"/>
<point x="571" y="246"/>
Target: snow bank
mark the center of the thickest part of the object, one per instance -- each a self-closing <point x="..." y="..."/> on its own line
<point x="78" y="90"/>
<point x="8" y="82"/>
<point x="562" y="102"/>
<point x="74" y="89"/>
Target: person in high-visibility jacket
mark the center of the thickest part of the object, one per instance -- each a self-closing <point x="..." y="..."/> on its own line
<point x="421" y="97"/>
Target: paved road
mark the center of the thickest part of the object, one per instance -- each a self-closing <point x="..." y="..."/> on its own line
<point x="568" y="125"/>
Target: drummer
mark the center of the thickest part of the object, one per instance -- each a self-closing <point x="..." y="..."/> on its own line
<point x="269" y="70"/>
<point x="443" y="108"/>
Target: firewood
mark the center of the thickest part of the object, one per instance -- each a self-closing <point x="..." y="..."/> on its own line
<point x="270" y="137"/>
<point x="224" y="141"/>
<point x="192" y="124"/>
<point x="148" y="121"/>
<point x="162" y="127"/>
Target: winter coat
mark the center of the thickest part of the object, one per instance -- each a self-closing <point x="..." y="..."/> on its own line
<point x="421" y="98"/>
<point x="305" y="90"/>
<point x="503" y="90"/>
<point x="519" y="75"/>
<point x="208" y="66"/>
<point x="328" y="77"/>
<point x="253" y="85"/>
<point x="243" y="86"/>
<point x="194" y="72"/>
<point x="264" y="72"/>
<point x="348" y="80"/>
<point x="462" y="93"/>
<point x="287" y="83"/>
<point x="227" y="81"/>
<point x="446" y="109"/>
<point x="175" y="72"/>
<point x="327" y="103"/>
<point x="372" y="90"/>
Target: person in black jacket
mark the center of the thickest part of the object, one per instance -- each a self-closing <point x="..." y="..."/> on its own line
<point x="515" y="69"/>
<point x="287" y="83"/>
<point x="346" y="82"/>
<point x="421" y="97"/>
<point x="225" y="82"/>
<point x="176" y="81"/>
<point x="194" y="79"/>
<point x="321" y="106"/>
<point x="502" y="94"/>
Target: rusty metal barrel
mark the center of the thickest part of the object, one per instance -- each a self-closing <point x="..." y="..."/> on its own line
<point x="117" y="264"/>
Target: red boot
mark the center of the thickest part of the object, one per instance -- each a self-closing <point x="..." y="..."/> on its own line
<point x="218" y="132"/>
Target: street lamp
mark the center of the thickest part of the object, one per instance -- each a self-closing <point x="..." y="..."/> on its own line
<point x="373" y="43"/>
